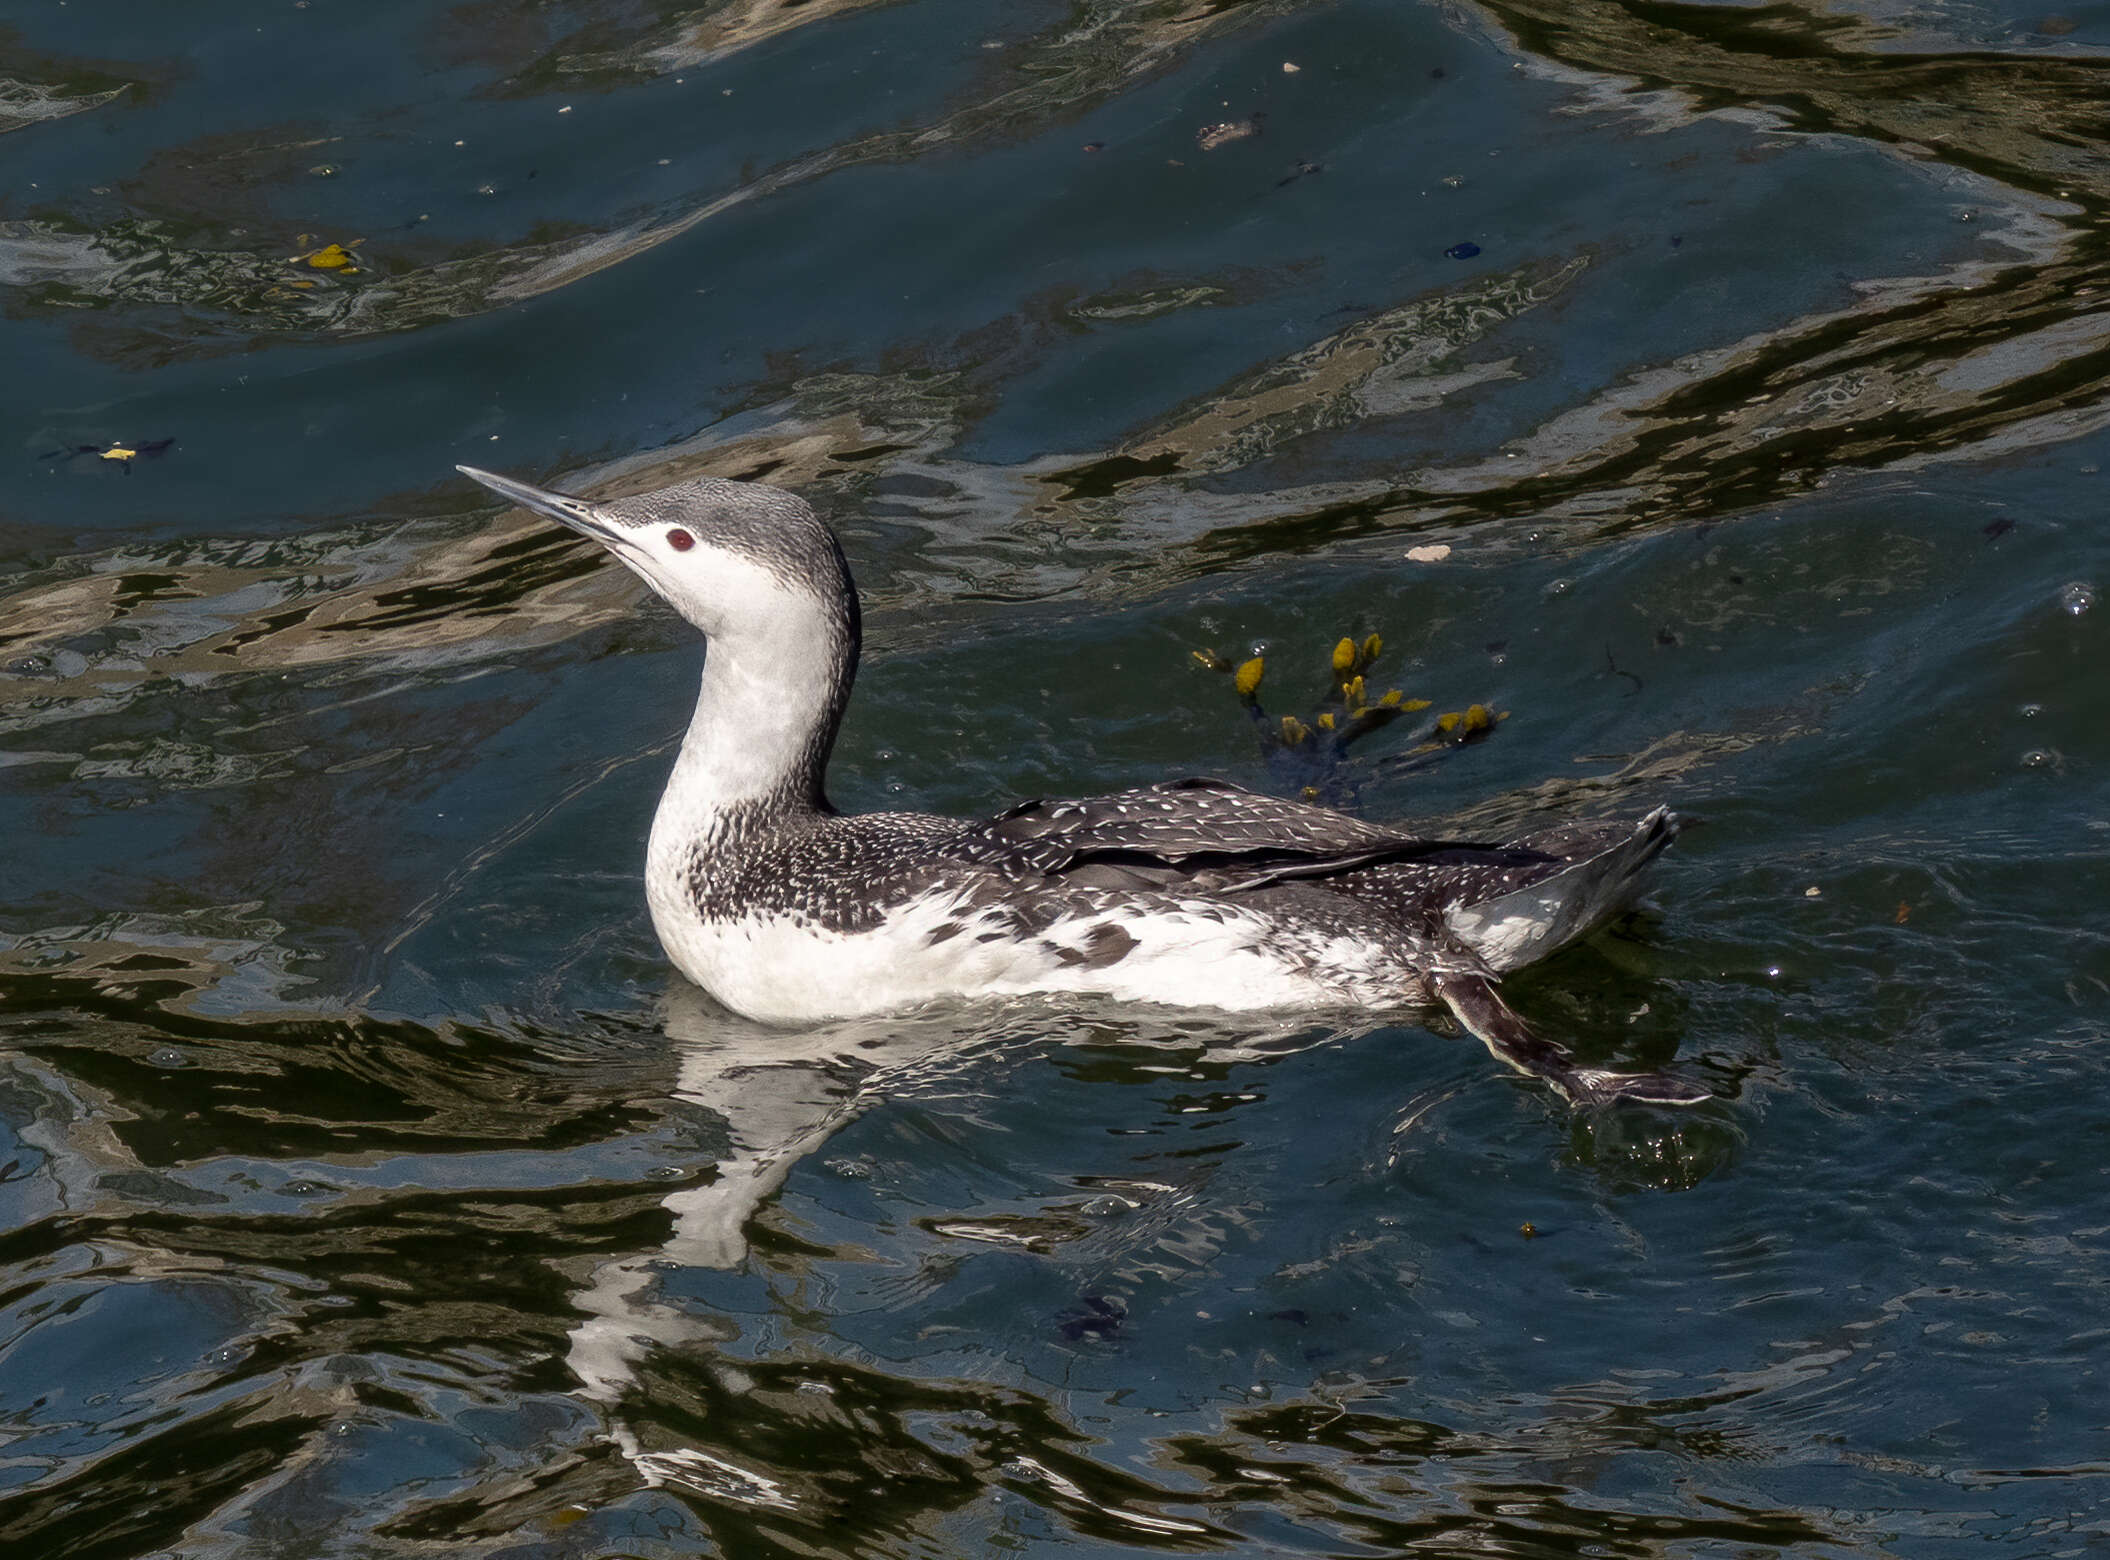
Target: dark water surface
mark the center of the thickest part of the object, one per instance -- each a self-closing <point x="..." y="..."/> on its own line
<point x="368" y="1185"/>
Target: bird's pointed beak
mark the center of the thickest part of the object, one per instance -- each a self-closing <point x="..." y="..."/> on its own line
<point x="577" y="513"/>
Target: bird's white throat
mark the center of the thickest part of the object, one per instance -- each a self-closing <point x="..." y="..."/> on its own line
<point x="772" y="692"/>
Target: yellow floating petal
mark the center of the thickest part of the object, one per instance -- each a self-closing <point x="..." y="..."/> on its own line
<point x="1371" y="646"/>
<point x="1412" y="704"/>
<point x="1294" y="730"/>
<point x="118" y="452"/>
<point x="1249" y="676"/>
<point x="1344" y="658"/>
<point x="1326" y="721"/>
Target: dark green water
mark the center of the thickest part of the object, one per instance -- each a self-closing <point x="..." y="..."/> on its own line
<point x="368" y="1186"/>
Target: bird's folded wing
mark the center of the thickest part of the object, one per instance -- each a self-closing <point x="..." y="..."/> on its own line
<point x="1236" y="838"/>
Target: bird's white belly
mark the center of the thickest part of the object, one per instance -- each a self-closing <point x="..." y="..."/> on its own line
<point x="781" y="969"/>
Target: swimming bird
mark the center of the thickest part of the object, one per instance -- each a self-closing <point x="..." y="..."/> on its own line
<point x="1193" y="892"/>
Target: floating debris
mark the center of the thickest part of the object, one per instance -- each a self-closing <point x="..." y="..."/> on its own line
<point x="1429" y="552"/>
<point x="330" y="257"/>
<point x="1308" y="751"/>
<point x="1210" y="137"/>
<point x="1464" y="251"/>
<point x="1469" y="724"/>
<point x="118" y="452"/>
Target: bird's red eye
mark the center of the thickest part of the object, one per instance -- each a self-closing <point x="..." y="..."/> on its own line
<point x="680" y="540"/>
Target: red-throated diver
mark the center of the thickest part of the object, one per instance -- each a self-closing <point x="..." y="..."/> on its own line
<point x="1194" y="893"/>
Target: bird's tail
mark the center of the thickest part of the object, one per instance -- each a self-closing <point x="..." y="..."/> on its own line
<point x="1602" y="880"/>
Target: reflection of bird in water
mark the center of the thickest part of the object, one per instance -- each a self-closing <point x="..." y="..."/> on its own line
<point x="1191" y="893"/>
<point x="781" y="1097"/>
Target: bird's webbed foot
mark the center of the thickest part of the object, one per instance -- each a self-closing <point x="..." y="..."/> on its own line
<point x="1480" y="1011"/>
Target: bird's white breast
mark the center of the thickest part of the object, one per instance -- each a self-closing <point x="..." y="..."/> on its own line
<point x="785" y="969"/>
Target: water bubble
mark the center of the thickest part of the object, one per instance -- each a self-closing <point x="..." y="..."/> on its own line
<point x="2030" y="711"/>
<point x="2041" y="758"/>
<point x="168" y="1056"/>
<point x="2076" y="598"/>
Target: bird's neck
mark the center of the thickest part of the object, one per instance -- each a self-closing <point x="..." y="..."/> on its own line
<point x="756" y="754"/>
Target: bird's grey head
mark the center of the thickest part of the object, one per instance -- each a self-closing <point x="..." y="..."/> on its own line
<point x="735" y="558"/>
